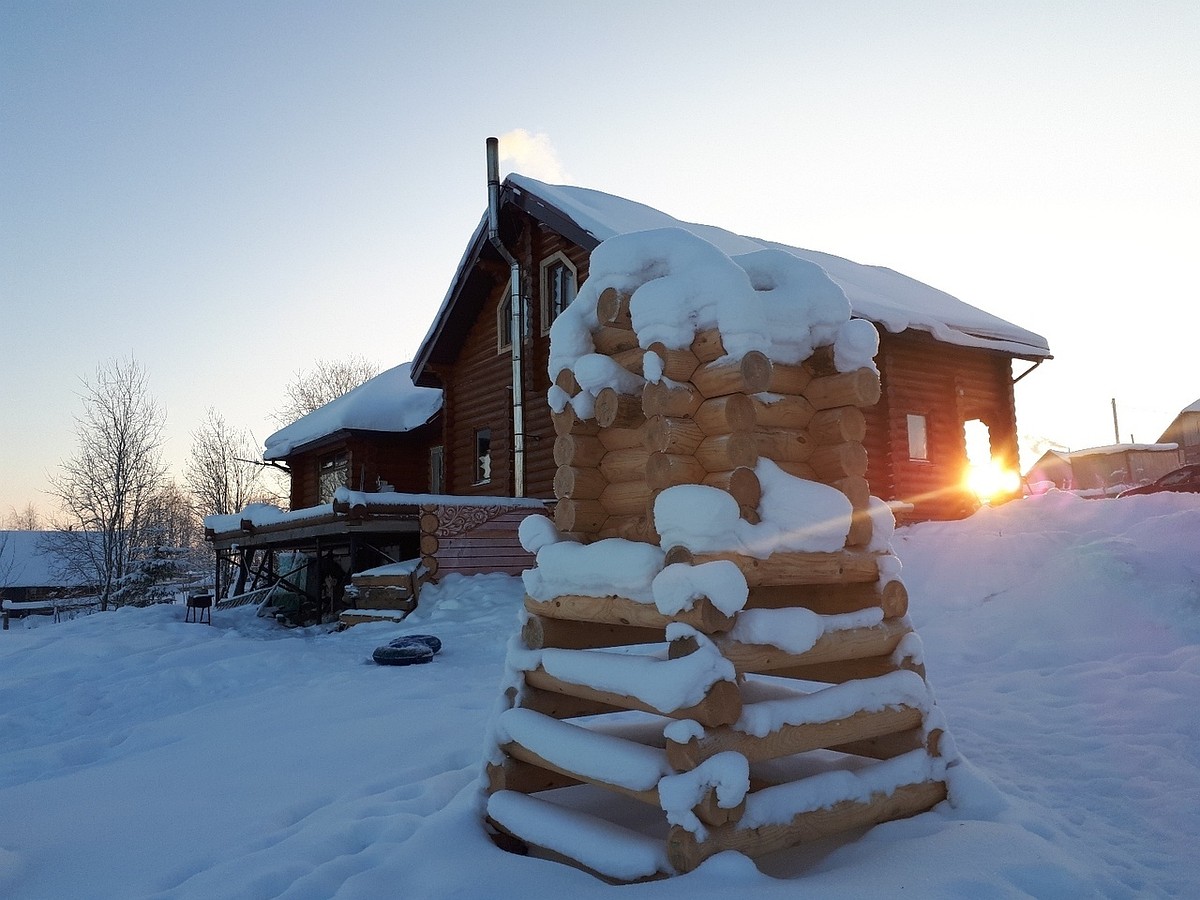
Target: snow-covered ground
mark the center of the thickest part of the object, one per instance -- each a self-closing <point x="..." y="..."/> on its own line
<point x="142" y="756"/>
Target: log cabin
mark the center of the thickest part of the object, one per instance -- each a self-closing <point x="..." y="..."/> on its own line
<point x="943" y="363"/>
<point x="449" y="479"/>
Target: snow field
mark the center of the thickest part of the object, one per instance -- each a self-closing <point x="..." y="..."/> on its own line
<point x="144" y="757"/>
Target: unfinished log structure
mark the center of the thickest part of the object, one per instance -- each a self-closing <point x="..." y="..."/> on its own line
<point x="829" y="760"/>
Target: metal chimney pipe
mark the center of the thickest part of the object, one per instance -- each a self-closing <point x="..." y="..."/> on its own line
<point x="516" y="328"/>
<point x="493" y="182"/>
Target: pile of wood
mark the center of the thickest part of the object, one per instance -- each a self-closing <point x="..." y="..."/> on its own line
<point x="708" y="421"/>
<point x="384" y="595"/>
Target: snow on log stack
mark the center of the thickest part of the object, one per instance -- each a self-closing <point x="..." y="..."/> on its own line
<point x="715" y="628"/>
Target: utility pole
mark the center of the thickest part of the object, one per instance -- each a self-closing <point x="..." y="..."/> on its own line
<point x="1116" y="428"/>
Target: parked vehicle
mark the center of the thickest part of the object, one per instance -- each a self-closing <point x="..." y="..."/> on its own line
<point x="1183" y="480"/>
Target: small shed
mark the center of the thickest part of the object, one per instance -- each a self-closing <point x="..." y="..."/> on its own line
<point x="1102" y="471"/>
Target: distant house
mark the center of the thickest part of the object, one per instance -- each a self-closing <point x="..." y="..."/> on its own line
<point x="30" y="571"/>
<point x="1104" y="470"/>
<point x="1184" y="430"/>
<point x="943" y="363"/>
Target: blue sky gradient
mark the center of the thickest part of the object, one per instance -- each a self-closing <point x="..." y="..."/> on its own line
<point x="228" y="191"/>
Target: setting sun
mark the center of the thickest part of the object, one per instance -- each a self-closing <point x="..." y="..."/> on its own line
<point x="991" y="480"/>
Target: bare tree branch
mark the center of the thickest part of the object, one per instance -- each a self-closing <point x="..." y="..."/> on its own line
<point x="326" y="380"/>
<point x="221" y="472"/>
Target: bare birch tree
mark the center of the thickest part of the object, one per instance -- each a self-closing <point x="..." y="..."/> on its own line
<point x="106" y="489"/>
<point x="27" y="519"/>
<point x="222" y="471"/>
<point x="7" y="560"/>
<point x="326" y="380"/>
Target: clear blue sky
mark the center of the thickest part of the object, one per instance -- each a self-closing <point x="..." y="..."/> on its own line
<point x="228" y="190"/>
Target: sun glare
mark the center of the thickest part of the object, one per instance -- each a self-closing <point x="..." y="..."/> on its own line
<point x="990" y="481"/>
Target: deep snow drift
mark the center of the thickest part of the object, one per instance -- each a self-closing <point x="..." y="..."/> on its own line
<point x="141" y="756"/>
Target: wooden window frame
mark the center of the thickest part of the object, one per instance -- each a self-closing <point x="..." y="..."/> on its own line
<point x="437" y="469"/>
<point x="551" y="262"/>
<point x="908" y="428"/>
<point x="330" y="464"/>
<point x="481" y="472"/>
<point x="504" y="321"/>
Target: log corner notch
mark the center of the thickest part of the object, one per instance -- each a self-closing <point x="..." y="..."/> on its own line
<point x="709" y="420"/>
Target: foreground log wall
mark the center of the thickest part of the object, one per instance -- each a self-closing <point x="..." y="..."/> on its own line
<point x="709" y="421"/>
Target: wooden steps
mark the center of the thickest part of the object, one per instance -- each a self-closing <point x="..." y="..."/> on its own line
<point x="386" y="594"/>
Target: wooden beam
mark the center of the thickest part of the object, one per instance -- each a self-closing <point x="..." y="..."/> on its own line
<point x="703" y="616"/>
<point x="686" y="852"/>
<point x="615" y="410"/>
<point x="540" y="632"/>
<point x="833" y="646"/>
<point x="790" y="739"/>
<point x="721" y="705"/>
<point x="840" y="567"/>
<point x="612" y="308"/>
<point x="858" y="388"/>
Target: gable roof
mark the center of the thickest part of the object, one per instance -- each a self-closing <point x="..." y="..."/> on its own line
<point x="882" y="295"/>
<point x="1178" y="425"/>
<point x="389" y="402"/>
<point x="28" y="560"/>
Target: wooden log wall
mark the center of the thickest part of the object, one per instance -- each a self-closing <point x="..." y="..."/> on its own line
<point x="711" y="425"/>
<point x="708" y="425"/>
<point x="473" y="540"/>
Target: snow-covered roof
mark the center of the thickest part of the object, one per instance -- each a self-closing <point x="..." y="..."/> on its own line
<point x="388" y="402"/>
<point x="26" y="561"/>
<point x="882" y="295"/>
<point x="1122" y="448"/>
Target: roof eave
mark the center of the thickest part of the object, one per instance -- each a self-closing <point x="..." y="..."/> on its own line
<point x="537" y="208"/>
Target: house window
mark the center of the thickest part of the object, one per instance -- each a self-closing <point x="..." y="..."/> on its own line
<point x="437" y="470"/>
<point x="918" y="437"/>
<point x="504" y="324"/>
<point x="483" y="455"/>
<point x="558" y="288"/>
<point x="332" y="473"/>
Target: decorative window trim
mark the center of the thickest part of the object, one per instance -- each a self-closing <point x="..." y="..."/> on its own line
<point x="547" y="264"/>
<point x="504" y="321"/>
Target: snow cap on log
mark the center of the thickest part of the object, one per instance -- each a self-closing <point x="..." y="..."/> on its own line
<point x="795" y="515"/>
<point x="680" y="285"/>
<point x="624" y="568"/>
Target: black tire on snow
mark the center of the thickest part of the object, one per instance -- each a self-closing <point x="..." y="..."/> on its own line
<point x="429" y="640"/>
<point x="409" y="654"/>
